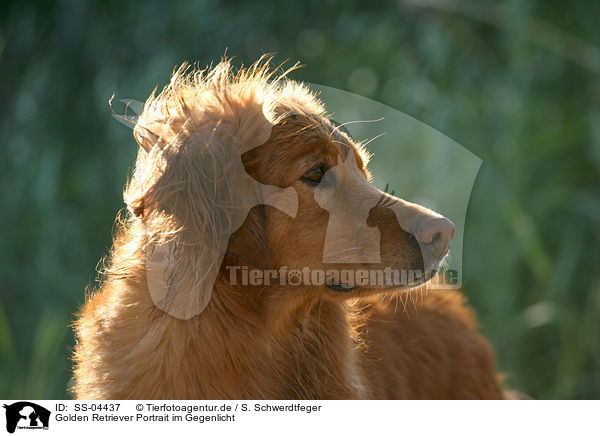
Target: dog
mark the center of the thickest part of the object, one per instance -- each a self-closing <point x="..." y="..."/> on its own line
<point x="245" y="171"/>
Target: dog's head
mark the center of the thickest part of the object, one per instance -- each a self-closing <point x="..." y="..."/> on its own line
<point x="246" y="171"/>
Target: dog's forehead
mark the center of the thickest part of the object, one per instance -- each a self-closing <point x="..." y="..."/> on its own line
<point x="319" y="134"/>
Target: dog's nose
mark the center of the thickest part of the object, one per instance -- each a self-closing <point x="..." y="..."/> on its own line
<point x="436" y="231"/>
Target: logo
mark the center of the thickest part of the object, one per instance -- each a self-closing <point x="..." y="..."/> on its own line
<point x="26" y="415"/>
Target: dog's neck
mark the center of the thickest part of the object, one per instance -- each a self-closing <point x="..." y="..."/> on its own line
<point x="239" y="347"/>
<point x="275" y="346"/>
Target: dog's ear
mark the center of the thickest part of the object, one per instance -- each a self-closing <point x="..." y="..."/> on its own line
<point x="199" y="196"/>
<point x="191" y="207"/>
<point x="203" y="201"/>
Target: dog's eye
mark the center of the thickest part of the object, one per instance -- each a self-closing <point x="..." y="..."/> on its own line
<point x="314" y="176"/>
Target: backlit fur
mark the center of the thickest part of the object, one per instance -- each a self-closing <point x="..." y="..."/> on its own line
<point x="269" y="342"/>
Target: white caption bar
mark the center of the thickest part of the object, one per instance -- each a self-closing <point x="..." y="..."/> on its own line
<point x="41" y="418"/>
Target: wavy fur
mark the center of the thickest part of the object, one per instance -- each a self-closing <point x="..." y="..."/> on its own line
<point x="252" y="342"/>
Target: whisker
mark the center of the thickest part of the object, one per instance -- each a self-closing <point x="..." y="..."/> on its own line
<point x="386" y="200"/>
<point x="339" y="126"/>
<point x="373" y="139"/>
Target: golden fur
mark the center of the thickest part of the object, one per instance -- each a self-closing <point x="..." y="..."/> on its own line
<point x="261" y="342"/>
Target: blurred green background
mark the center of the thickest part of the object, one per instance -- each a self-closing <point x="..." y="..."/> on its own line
<point x="517" y="83"/>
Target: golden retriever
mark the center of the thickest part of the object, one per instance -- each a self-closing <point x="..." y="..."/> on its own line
<point x="242" y="173"/>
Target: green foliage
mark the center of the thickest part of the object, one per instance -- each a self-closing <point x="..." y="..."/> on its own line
<point x="517" y="83"/>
